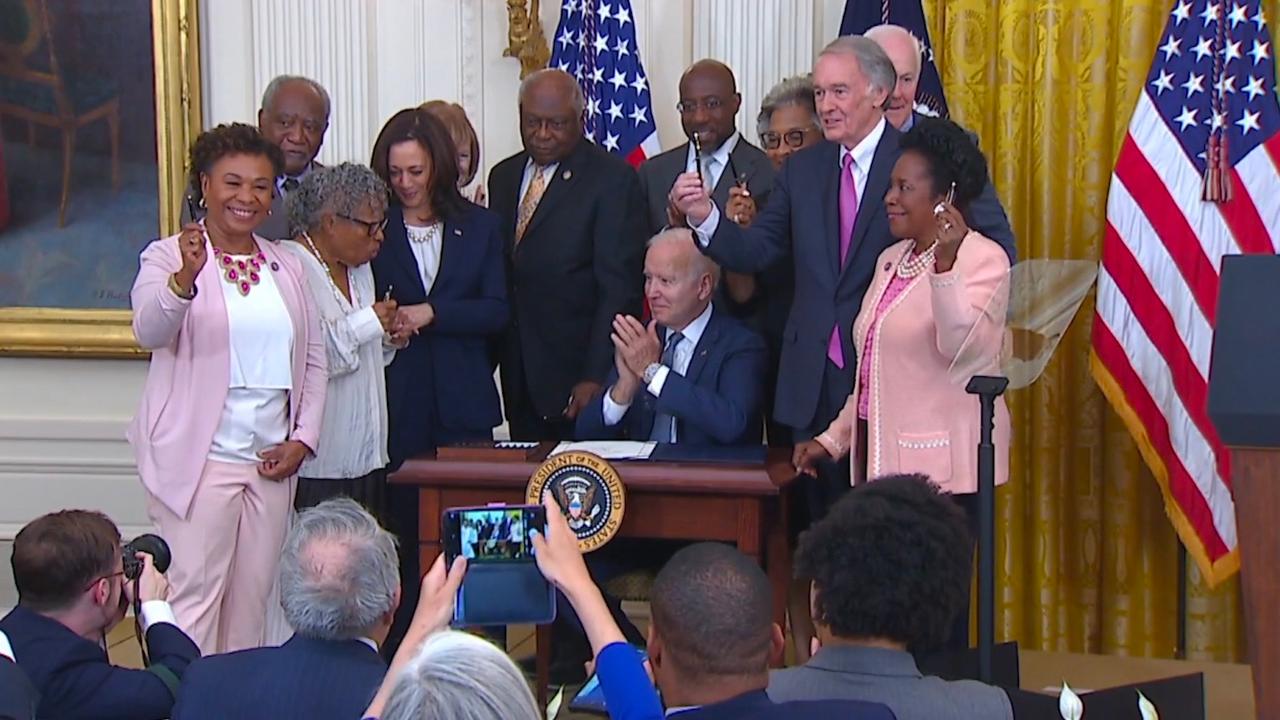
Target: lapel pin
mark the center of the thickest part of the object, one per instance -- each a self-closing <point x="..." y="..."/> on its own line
<point x="275" y="267"/>
<point x="886" y="267"/>
<point x="457" y="231"/>
<point x="566" y="174"/>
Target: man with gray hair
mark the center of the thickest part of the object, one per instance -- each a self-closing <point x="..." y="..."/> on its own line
<point x="694" y="374"/>
<point x="827" y="213"/>
<point x="340" y="587"/>
<point x="295" y="116"/>
<point x="906" y="53"/>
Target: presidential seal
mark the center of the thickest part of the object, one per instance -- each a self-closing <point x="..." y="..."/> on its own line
<point x="588" y="490"/>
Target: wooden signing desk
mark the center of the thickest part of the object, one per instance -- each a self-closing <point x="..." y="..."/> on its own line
<point x="738" y="503"/>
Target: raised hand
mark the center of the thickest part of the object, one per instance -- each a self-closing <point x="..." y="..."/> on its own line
<point x="690" y="198"/>
<point x="191" y="247"/>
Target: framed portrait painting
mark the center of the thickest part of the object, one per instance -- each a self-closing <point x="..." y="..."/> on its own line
<point x="99" y="102"/>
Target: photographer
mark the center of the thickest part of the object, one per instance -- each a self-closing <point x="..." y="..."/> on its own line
<point x="72" y="589"/>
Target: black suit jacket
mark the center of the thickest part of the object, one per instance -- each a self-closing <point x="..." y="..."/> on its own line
<point x="986" y="212"/>
<point x="716" y="402"/>
<point x="578" y="266"/>
<point x="802" y="220"/>
<point x="444" y="375"/>
<point x="757" y="706"/>
<point x="658" y="174"/>
<point x="300" y="680"/>
<point x="76" y="681"/>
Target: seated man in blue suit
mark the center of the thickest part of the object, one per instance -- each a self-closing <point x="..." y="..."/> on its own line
<point x="72" y="590"/>
<point x="340" y="586"/>
<point x="695" y="374"/>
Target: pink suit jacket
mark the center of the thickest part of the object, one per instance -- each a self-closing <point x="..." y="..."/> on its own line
<point x="919" y="417"/>
<point x="188" y="378"/>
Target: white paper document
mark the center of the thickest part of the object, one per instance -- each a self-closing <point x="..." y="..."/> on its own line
<point x="609" y="449"/>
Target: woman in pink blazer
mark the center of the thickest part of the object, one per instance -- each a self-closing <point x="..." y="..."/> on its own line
<point x="234" y="393"/>
<point x="925" y="316"/>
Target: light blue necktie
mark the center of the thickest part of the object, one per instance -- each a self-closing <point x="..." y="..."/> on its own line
<point x="664" y="424"/>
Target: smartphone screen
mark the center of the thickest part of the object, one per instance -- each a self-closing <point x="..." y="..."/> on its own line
<point x="503" y="584"/>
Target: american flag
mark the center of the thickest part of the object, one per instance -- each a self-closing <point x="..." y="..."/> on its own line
<point x="1196" y="179"/>
<point x="861" y="15"/>
<point x="596" y="43"/>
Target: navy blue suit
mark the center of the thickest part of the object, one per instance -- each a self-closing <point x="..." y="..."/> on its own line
<point x="716" y="402"/>
<point x="76" y="681"/>
<point x="304" y="679"/>
<point x="440" y="388"/>
<point x="802" y="221"/>
<point x="18" y="698"/>
<point x="757" y="706"/>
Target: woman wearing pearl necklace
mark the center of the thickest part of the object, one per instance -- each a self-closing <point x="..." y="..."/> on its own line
<point x="234" y="392"/>
<point x="925" y="313"/>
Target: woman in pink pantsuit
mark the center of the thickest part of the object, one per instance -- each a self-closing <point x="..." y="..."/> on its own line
<point x="926" y="314"/>
<point x="234" y="393"/>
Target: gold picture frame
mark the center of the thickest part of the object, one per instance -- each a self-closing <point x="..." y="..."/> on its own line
<point x="59" y="332"/>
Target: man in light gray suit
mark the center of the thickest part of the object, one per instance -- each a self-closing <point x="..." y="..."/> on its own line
<point x="890" y="568"/>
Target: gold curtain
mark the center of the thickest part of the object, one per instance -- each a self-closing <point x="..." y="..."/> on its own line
<point x="1086" y="559"/>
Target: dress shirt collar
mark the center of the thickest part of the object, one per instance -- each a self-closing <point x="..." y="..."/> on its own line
<point x="720" y="154"/>
<point x="865" y="660"/>
<point x="547" y="170"/>
<point x="693" y="331"/>
<point x="369" y="642"/>
<point x="281" y="180"/>
<point x="865" y="151"/>
<point x="6" y="650"/>
<point x="910" y="123"/>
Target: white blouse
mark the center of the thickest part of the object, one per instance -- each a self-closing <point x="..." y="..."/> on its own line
<point x="256" y="413"/>
<point x="426" y="242"/>
<point x="353" y="435"/>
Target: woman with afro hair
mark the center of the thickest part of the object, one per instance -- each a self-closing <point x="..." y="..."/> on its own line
<point x="933" y="305"/>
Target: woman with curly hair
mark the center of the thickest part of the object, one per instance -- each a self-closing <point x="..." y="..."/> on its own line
<point x="890" y="570"/>
<point x="234" y="393"/>
<point x="337" y="216"/>
<point x="925" y="312"/>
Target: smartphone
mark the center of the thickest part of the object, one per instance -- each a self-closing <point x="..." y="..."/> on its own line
<point x="503" y="585"/>
<point x="590" y="698"/>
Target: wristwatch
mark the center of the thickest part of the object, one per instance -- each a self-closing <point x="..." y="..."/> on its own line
<point x="651" y="372"/>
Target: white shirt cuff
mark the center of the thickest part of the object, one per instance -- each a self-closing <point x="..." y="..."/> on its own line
<point x="6" y="649"/>
<point x="612" y="411"/>
<point x="659" y="379"/>
<point x="365" y="324"/>
<point x="157" y="611"/>
<point x="708" y="227"/>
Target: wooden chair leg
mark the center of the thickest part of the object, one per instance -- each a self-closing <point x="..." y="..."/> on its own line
<point x="68" y="148"/>
<point x="113" y="126"/>
<point x="542" y="665"/>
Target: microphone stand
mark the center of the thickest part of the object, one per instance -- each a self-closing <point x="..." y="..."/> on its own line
<point x="987" y="388"/>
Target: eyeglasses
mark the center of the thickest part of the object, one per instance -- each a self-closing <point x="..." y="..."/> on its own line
<point x="104" y="577"/>
<point x="373" y="228"/>
<point x="794" y="138"/>
<point x="688" y="107"/>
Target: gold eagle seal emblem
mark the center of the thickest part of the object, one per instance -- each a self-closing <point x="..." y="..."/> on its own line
<point x="589" y="492"/>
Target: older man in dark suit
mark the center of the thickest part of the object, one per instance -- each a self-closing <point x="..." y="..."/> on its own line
<point x="574" y="218"/>
<point x="906" y="53"/>
<point x="72" y="590"/>
<point x="340" y="586"/>
<point x="695" y="374"/>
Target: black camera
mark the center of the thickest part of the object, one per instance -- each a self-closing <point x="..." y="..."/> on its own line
<point x="153" y="545"/>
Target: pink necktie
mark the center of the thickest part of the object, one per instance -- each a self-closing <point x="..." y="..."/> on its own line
<point x="848" y="213"/>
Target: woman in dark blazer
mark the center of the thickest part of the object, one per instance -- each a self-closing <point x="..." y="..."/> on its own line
<point x="441" y="261"/>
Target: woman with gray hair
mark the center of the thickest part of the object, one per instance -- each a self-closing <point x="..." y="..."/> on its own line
<point x="788" y="119"/>
<point x="336" y="217"/>
<point x="456" y="676"/>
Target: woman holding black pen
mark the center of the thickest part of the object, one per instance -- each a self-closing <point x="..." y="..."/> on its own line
<point x="441" y="262"/>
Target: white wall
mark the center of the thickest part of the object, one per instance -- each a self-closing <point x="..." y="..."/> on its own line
<point x="62" y="421"/>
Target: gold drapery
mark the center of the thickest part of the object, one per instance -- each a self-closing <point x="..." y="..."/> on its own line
<point x="1086" y="560"/>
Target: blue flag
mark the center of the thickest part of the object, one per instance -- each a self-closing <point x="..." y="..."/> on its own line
<point x="862" y="15"/>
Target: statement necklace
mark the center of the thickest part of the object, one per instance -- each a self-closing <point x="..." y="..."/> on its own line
<point x="328" y="274"/>
<point x="912" y="265"/>
<point x="244" y="274"/>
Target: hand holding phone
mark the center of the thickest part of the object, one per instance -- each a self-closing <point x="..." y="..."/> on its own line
<point x="503" y="585"/>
